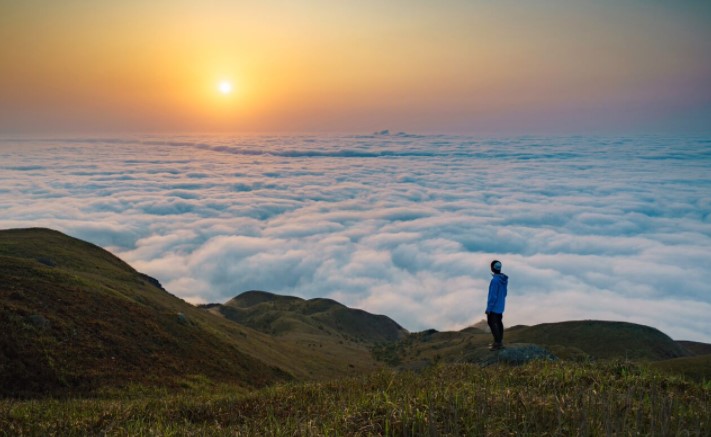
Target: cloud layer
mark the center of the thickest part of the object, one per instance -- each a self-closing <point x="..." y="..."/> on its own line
<point x="403" y="225"/>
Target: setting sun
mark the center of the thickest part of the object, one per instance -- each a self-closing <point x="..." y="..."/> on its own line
<point x="225" y="87"/>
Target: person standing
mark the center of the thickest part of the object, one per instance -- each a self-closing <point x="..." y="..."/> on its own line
<point x="498" y="288"/>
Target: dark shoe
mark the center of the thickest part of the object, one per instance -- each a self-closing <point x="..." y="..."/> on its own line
<point x="496" y="346"/>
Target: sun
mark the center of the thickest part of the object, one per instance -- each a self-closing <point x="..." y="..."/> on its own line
<point x="225" y="87"/>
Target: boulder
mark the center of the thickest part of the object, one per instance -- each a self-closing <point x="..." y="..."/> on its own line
<point x="513" y="354"/>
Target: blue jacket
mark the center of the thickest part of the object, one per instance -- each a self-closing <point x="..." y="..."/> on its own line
<point x="497" y="293"/>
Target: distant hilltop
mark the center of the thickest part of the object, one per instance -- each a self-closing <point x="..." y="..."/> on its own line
<point x="386" y="132"/>
<point x="282" y="315"/>
<point x="76" y="319"/>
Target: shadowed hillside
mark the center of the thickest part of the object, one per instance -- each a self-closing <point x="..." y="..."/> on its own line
<point x="283" y="315"/>
<point x="695" y="347"/>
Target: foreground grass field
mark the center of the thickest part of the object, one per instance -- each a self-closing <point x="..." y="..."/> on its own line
<point x="540" y="398"/>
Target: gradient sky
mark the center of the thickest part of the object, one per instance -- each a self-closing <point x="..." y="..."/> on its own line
<point x="482" y="67"/>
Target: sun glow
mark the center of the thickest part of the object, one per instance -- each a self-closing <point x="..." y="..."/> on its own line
<point x="225" y="87"/>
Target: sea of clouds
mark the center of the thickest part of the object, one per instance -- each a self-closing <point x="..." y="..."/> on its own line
<point x="396" y="224"/>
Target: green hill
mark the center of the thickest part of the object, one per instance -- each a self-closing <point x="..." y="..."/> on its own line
<point x="695" y="347"/>
<point x="602" y="339"/>
<point x="75" y="318"/>
<point x="697" y="367"/>
<point x="288" y="315"/>
<point x="572" y="340"/>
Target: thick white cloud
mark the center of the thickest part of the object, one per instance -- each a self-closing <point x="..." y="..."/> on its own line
<point x="403" y="225"/>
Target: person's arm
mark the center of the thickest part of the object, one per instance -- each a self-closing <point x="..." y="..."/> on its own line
<point x="493" y="296"/>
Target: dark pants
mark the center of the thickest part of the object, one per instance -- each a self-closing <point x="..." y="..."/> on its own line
<point x="496" y="325"/>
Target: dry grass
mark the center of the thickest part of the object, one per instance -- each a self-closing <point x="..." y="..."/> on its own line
<point x="540" y="398"/>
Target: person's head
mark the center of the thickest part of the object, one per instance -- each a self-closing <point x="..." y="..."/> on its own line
<point x="496" y="266"/>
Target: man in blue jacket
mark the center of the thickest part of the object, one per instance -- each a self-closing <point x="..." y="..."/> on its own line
<point x="495" y="304"/>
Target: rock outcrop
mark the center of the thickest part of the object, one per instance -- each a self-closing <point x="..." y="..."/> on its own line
<point x="514" y="354"/>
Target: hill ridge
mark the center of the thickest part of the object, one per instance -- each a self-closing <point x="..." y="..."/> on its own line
<point x="288" y="315"/>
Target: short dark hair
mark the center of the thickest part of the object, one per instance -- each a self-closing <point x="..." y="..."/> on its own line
<point x="494" y="269"/>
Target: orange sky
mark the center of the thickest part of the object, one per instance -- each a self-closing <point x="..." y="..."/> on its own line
<point x="422" y="66"/>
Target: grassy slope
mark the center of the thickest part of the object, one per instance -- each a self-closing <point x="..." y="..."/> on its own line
<point x="539" y="398"/>
<point x="695" y="347"/>
<point x="283" y="315"/>
<point x="697" y="367"/>
<point x="601" y="339"/>
<point x="328" y="331"/>
<point x="74" y="317"/>
<point x="568" y="340"/>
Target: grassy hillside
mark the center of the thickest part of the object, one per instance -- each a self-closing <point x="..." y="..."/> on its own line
<point x="575" y="340"/>
<point x="285" y="315"/>
<point x="695" y="347"/>
<point x="602" y="339"/>
<point x="75" y="318"/>
<point x="697" y="368"/>
<point x="337" y="340"/>
<point x="540" y="398"/>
